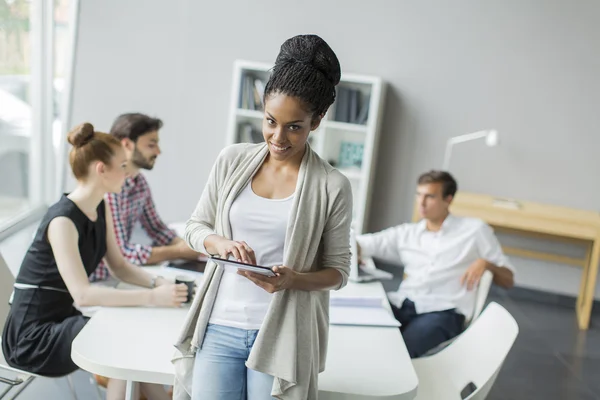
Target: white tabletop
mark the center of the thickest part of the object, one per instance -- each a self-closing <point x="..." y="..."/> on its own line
<point x="136" y="344"/>
<point x="365" y="362"/>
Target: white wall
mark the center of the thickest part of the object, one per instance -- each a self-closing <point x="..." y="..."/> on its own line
<point x="528" y="68"/>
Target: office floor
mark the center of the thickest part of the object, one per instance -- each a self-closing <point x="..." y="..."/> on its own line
<point x="551" y="359"/>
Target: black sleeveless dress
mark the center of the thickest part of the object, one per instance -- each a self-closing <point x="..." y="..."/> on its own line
<point x="43" y="321"/>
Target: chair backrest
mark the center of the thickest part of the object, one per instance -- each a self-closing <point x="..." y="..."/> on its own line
<point x="483" y="289"/>
<point x="478" y="354"/>
<point x="6" y="287"/>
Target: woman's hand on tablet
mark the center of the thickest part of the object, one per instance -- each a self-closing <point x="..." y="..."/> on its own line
<point x="284" y="280"/>
<point x="239" y="250"/>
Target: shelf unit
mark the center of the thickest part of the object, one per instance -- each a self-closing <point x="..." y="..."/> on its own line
<point x="351" y="147"/>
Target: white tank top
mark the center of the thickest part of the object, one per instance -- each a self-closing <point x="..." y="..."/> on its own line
<point x="262" y="223"/>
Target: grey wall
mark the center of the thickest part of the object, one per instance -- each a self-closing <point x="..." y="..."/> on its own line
<point x="528" y="68"/>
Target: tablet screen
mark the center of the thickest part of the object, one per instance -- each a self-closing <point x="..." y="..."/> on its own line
<point x="249" y="267"/>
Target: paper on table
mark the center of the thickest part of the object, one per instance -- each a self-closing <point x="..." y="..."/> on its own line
<point x="356" y="301"/>
<point x="371" y="316"/>
<point x="360" y="310"/>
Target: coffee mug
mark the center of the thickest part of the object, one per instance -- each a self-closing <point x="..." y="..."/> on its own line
<point x="189" y="282"/>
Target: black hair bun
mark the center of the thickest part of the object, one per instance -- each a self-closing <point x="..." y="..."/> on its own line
<point x="313" y="51"/>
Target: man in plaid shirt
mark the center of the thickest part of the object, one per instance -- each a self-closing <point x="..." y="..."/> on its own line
<point x="139" y="135"/>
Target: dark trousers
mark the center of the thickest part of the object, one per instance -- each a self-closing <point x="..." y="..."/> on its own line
<point x="423" y="332"/>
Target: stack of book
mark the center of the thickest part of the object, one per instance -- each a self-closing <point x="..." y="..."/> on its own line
<point x="351" y="106"/>
<point x="251" y="95"/>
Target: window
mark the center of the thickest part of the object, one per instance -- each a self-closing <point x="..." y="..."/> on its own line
<point x="15" y="109"/>
<point x="34" y="47"/>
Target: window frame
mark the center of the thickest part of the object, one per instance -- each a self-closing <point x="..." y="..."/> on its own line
<point x="47" y="168"/>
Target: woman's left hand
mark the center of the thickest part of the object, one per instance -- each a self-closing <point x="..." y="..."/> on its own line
<point x="284" y="280"/>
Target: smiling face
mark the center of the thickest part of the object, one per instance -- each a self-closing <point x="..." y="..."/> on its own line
<point x="286" y="127"/>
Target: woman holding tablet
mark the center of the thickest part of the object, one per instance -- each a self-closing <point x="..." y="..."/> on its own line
<point x="276" y="204"/>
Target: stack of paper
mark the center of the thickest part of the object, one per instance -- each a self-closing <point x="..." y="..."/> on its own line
<point x="356" y="301"/>
<point x="360" y="310"/>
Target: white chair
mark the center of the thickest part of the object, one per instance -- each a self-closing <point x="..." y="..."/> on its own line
<point x="483" y="289"/>
<point x="14" y="378"/>
<point x="475" y="357"/>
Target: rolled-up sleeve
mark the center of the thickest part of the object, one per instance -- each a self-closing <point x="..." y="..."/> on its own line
<point x="490" y="249"/>
<point x="384" y="245"/>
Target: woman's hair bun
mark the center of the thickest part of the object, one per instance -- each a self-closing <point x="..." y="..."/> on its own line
<point x="311" y="50"/>
<point x="81" y="134"/>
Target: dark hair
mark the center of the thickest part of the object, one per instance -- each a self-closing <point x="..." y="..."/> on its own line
<point x="89" y="146"/>
<point x="308" y="69"/>
<point x="449" y="185"/>
<point x="134" y="125"/>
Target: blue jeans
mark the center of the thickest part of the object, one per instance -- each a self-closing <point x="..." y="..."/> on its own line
<point x="423" y="332"/>
<point x="220" y="372"/>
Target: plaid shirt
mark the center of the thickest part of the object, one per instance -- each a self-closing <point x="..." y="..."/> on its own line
<point x="134" y="203"/>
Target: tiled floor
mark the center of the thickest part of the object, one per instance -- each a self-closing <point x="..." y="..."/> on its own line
<point x="551" y="359"/>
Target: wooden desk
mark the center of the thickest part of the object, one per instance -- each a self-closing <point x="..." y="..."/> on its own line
<point x="541" y="221"/>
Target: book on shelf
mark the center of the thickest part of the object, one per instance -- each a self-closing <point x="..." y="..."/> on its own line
<point x="351" y="106"/>
<point x="363" y="114"/>
<point x="251" y="93"/>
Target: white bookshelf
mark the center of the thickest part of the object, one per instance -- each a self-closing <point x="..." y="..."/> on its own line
<point x="332" y="134"/>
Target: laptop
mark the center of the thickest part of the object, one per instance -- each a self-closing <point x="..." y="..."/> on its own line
<point x="367" y="271"/>
<point x="194" y="266"/>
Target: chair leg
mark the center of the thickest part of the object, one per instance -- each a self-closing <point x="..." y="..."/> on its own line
<point x="94" y="383"/>
<point x="22" y="387"/>
<point x="8" y="389"/>
<point x="71" y="386"/>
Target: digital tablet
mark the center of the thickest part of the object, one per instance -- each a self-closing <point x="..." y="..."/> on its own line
<point x="240" y="265"/>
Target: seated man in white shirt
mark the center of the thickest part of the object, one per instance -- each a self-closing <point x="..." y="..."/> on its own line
<point x="444" y="257"/>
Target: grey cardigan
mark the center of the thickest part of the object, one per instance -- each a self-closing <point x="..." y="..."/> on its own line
<point x="292" y="342"/>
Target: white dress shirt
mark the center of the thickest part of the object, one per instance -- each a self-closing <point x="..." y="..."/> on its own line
<point x="434" y="262"/>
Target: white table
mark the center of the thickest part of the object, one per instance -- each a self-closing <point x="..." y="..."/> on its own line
<point x="136" y="344"/>
<point x="365" y="362"/>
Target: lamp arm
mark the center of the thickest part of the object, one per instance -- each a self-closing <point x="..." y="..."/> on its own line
<point x="460" y="139"/>
<point x="468" y="137"/>
<point x="447" y="154"/>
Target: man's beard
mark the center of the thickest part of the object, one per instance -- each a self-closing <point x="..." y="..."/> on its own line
<point x="140" y="161"/>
